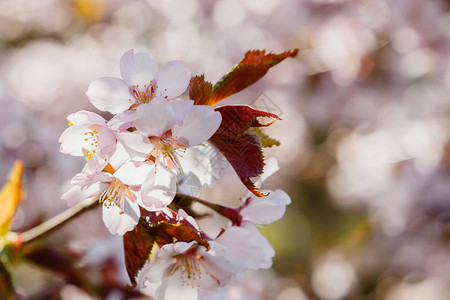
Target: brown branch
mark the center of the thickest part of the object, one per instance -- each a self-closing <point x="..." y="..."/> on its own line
<point x="53" y="223"/>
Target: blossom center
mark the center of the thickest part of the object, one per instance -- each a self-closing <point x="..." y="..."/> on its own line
<point x="115" y="195"/>
<point x="144" y="94"/>
<point x="190" y="268"/>
<point x="167" y="150"/>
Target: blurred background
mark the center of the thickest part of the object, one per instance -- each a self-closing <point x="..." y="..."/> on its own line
<point x="364" y="153"/>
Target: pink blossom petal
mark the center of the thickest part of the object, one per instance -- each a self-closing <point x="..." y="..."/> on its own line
<point x="174" y="249"/>
<point x="180" y="108"/>
<point x="132" y="173"/>
<point x="155" y="118"/>
<point x="200" y="124"/>
<point x="72" y="140"/>
<point x="106" y="141"/>
<point x="174" y="288"/>
<point x="85" y="118"/>
<point x="217" y="265"/>
<point x="89" y="173"/>
<point x="119" y="157"/>
<point x="138" y="69"/>
<point x="159" y="189"/>
<point x="266" y="252"/>
<point x="104" y="177"/>
<point x="196" y="162"/>
<point x="266" y="210"/>
<point x="156" y="271"/>
<point x="135" y="144"/>
<point x="173" y="79"/>
<point x="188" y="218"/>
<point x="248" y="249"/>
<point x="122" y="121"/>
<point x="110" y="94"/>
<point x="118" y="222"/>
<point x="77" y="194"/>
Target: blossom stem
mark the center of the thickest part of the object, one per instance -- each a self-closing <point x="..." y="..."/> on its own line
<point x="229" y="212"/>
<point x="52" y="224"/>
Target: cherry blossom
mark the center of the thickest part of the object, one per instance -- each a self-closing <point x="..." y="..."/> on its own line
<point x="87" y="135"/>
<point x="265" y="210"/>
<point x="247" y="246"/>
<point x="141" y="82"/>
<point x="166" y="135"/>
<point x="183" y="269"/>
<point x="142" y="160"/>
<point x="119" y="194"/>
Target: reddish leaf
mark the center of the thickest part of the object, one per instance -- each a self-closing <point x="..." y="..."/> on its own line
<point x="200" y="90"/>
<point x="180" y="231"/>
<point x="138" y="245"/>
<point x="166" y="229"/>
<point x="238" y="144"/>
<point x="255" y="64"/>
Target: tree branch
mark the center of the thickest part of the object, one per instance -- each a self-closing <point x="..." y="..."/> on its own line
<point x="53" y="223"/>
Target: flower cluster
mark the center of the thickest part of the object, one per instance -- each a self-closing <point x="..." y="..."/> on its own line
<point x="136" y="160"/>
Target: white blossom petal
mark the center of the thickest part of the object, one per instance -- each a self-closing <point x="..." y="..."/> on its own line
<point x="89" y="174"/>
<point x="266" y="210"/>
<point x="173" y="79"/>
<point x="180" y="108"/>
<point x="138" y="69"/>
<point x="198" y="163"/>
<point x="132" y="173"/>
<point x="120" y="221"/>
<point x="86" y="118"/>
<point x="135" y="144"/>
<point x="155" y="118"/>
<point x="106" y="141"/>
<point x="119" y="157"/>
<point x="110" y="94"/>
<point x="217" y="265"/>
<point x="188" y="218"/>
<point x="248" y="249"/>
<point x="182" y="274"/>
<point x="159" y="189"/>
<point x="173" y="288"/>
<point x="72" y="140"/>
<point x="200" y="123"/>
<point x="122" y="121"/>
<point x="76" y="194"/>
<point x="156" y="271"/>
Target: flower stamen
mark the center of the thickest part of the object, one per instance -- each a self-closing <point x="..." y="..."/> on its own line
<point x="91" y="142"/>
<point x="167" y="150"/>
<point x="145" y="94"/>
<point x="114" y="195"/>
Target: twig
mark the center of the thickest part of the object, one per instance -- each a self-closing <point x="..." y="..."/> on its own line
<point x="53" y="223"/>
